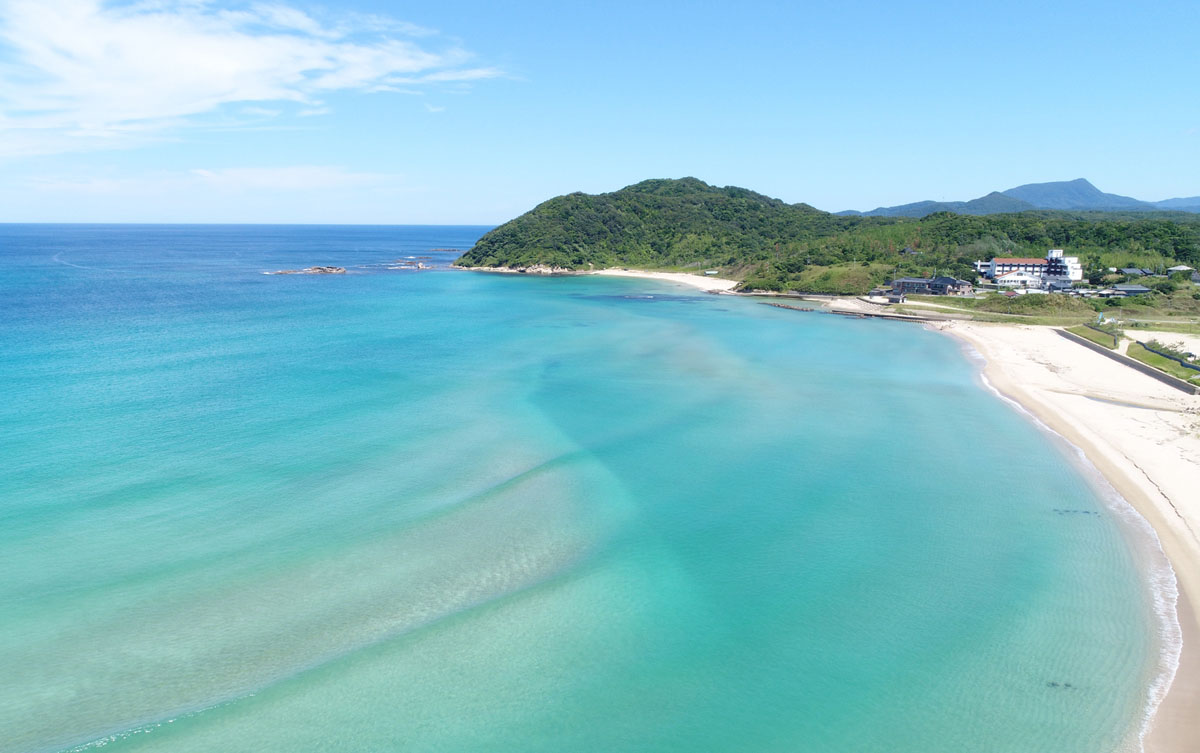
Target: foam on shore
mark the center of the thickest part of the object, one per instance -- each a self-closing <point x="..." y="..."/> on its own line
<point x="1160" y="573"/>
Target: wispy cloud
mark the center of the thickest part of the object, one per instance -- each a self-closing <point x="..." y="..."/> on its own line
<point x="220" y="180"/>
<point x="298" y="178"/>
<point x="83" y="75"/>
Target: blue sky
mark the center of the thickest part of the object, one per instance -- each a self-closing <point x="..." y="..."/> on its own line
<point x="473" y="112"/>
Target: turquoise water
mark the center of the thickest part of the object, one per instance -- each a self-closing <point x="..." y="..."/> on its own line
<point x="443" y="511"/>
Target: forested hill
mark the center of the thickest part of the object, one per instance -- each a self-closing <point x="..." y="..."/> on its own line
<point x="655" y="223"/>
<point x="689" y="224"/>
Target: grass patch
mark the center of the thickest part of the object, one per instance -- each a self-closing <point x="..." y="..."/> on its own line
<point x="1183" y="328"/>
<point x="843" y="279"/>
<point x="1100" y="338"/>
<point x="1163" y="364"/>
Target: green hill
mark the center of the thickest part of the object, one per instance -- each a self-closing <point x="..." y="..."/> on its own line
<point x="655" y="223"/>
<point x="688" y="224"/>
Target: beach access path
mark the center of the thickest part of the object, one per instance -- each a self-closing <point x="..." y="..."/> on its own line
<point x="1144" y="437"/>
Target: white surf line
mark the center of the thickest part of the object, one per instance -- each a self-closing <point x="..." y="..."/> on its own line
<point x="1161" y="577"/>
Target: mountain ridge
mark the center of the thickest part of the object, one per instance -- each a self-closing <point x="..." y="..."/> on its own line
<point x="1064" y="195"/>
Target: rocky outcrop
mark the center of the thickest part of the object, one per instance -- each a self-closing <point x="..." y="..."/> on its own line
<point x="535" y="269"/>
<point x="312" y="271"/>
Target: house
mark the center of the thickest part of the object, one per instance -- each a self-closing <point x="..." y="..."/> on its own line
<point x="1131" y="271"/>
<point x="909" y="251"/>
<point x="1059" y="286"/>
<point x="910" y="285"/>
<point x="949" y="286"/>
<point x="1196" y="277"/>
<point x="1020" y="279"/>
<point x="1130" y="289"/>
<point x="1178" y="268"/>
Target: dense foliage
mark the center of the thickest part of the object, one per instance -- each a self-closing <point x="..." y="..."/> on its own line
<point x="776" y="246"/>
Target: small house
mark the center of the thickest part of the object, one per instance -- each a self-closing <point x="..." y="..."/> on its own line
<point x="949" y="286"/>
<point x="1130" y="289"/>
<point x="1131" y="271"/>
<point x="911" y="285"/>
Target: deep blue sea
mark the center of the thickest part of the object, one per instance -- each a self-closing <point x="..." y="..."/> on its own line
<point x="438" y="510"/>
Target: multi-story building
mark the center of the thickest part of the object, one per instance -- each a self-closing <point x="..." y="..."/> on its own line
<point x="1063" y="267"/>
<point x="1005" y="264"/>
<point x="1055" y="267"/>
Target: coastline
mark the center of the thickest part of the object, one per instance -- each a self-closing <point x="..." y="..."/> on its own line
<point x="707" y="283"/>
<point x="1142" y="438"/>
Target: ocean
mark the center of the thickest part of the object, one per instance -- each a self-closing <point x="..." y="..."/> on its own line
<point x="437" y="510"/>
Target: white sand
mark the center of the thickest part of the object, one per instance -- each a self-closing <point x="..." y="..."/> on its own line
<point x="1186" y="342"/>
<point x="703" y="282"/>
<point x="1145" y="438"/>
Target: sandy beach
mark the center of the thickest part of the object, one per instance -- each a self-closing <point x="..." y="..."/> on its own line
<point x="1144" y="437"/>
<point x="707" y="283"/>
<point x="703" y="282"/>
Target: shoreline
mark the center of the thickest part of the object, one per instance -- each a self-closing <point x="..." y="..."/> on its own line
<point x="707" y="283"/>
<point x="1127" y="426"/>
<point x="1136" y="434"/>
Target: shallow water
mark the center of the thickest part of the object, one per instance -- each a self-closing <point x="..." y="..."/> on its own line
<point x="438" y="510"/>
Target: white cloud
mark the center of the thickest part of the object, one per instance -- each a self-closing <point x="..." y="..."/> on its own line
<point x="262" y="112"/>
<point x="298" y="178"/>
<point x="219" y="180"/>
<point x="82" y="74"/>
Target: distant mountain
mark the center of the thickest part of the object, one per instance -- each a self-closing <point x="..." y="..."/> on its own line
<point x="1191" y="204"/>
<point x="993" y="203"/>
<point x="1065" y="195"/>
<point x="1073" y="194"/>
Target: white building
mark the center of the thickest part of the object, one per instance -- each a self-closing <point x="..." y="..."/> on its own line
<point x="1062" y="267"/>
<point x="1055" y="267"/>
<point x="1019" y="278"/>
<point x="1004" y="264"/>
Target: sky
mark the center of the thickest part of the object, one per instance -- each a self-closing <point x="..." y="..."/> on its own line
<point x="448" y="112"/>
